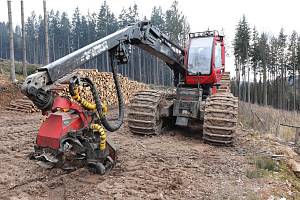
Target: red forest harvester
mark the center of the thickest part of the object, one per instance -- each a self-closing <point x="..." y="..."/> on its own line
<point x="74" y="131"/>
<point x="202" y="94"/>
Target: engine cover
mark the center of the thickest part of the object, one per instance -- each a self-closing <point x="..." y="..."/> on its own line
<point x="55" y="127"/>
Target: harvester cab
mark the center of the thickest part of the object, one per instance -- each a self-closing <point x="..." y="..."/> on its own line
<point x="205" y="59"/>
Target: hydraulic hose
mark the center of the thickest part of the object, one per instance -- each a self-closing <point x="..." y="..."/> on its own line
<point x="113" y="126"/>
<point x="75" y="95"/>
<point x="108" y="125"/>
<point x="98" y="105"/>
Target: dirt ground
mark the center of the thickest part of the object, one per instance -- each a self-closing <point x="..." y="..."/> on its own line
<point x="8" y="91"/>
<point x="174" y="165"/>
<point x="171" y="166"/>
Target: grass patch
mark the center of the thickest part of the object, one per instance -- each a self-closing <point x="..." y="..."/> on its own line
<point x="286" y="174"/>
<point x="256" y="173"/>
<point x="266" y="163"/>
<point x="263" y="167"/>
<point x="287" y="133"/>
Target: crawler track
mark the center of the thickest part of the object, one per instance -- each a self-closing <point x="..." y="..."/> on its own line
<point x="143" y="116"/>
<point x="225" y="83"/>
<point x="220" y="118"/>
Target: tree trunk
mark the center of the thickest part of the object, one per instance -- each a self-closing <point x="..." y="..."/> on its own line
<point x="46" y="33"/>
<point x="23" y="40"/>
<point x="107" y="62"/>
<point x="11" y="44"/>
<point x="140" y="64"/>
<point x="163" y="75"/>
<point x="238" y="80"/>
<point x="53" y="48"/>
<point x="255" y="86"/>
<point x="265" y="86"/>
<point x="295" y="91"/>
<point x="69" y="50"/>
<point x="156" y="71"/>
<point x="298" y="87"/>
<point x="248" y="95"/>
<point x="282" y="88"/>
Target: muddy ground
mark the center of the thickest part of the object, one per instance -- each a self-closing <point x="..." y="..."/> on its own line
<point x="175" y="165"/>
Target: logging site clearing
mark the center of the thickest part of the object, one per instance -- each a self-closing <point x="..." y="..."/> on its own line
<point x="263" y="163"/>
<point x="115" y="100"/>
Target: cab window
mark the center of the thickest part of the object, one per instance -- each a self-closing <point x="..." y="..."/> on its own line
<point x="199" y="57"/>
<point x="218" y="55"/>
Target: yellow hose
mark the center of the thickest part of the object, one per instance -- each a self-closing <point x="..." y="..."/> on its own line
<point x="102" y="133"/>
<point x="86" y="104"/>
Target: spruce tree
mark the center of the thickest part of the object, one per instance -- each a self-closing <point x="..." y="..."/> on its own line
<point x="273" y="67"/>
<point x="264" y="54"/>
<point x="241" y="50"/>
<point x="282" y="65"/>
<point x="254" y="58"/>
<point x="292" y="63"/>
<point x="75" y="30"/>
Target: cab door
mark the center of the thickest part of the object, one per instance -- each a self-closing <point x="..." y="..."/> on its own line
<point x="218" y="58"/>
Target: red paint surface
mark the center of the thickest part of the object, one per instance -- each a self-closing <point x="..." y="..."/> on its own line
<point x="60" y="123"/>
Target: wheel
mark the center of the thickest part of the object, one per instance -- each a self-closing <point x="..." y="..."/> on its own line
<point x="96" y="167"/>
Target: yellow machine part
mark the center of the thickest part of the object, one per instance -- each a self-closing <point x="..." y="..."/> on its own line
<point x="88" y="105"/>
<point x="102" y="133"/>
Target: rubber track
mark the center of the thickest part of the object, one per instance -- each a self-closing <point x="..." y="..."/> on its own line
<point x="143" y="114"/>
<point x="220" y="117"/>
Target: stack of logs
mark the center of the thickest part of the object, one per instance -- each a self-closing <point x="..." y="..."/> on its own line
<point x="22" y="105"/>
<point x="104" y="83"/>
<point x="106" y="87"/>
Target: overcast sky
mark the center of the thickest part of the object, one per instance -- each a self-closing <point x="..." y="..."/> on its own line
<point x="266" y="15"/>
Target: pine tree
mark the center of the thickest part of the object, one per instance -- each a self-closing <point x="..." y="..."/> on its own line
<point x="177" y="26"/>
<point x="75" y="30"/>
<point x="41" y="39"/>
<point x="47" y="54"/>
<point x="298" y="68"/>
<point x="264" y="54"/>
<point x="24" y="68"/>
<point x="133" y="14"/>
<point x="254" y="58"/>
<point x="92" y="22"/>
<point x="83" y="29"/>
<point x="65" y="28"/>
<point x="106" y="24"/>
<point x="282" y="65"/>
<point x="241" y="50"/>
<point x="31" y="30"/>
<point x="292" y="63"/>
<point x="274" y="64"/>
<point x="54" y="35"/>
<point x="157" y="18"/>
<point x="11" y="44"/>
